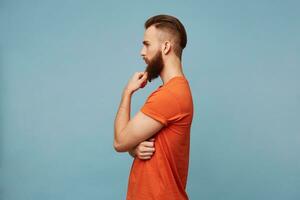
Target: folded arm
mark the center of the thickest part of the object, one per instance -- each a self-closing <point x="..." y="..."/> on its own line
<point x="130" y="132"/>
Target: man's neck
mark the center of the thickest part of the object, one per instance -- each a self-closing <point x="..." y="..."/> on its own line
<point x="172" y="68"/>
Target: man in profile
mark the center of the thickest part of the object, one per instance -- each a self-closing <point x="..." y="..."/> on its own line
<point x="165" y="119"/>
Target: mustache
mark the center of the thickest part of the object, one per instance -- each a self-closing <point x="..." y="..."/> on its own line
<point x="146" y="60"/>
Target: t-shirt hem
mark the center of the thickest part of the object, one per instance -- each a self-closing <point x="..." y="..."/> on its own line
<point x="154" y="115"/>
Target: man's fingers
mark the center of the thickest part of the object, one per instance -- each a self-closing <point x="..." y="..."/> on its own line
<point x="143" y="84"/>
<point x="139" y="75"/>
<point x="147" y="149"/>
<point x="147" y="154"/>
<point x="148" y="144"/>
<point x="143" y="76"/>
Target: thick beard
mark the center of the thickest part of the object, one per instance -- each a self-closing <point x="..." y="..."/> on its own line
<point x="155" y="66"/>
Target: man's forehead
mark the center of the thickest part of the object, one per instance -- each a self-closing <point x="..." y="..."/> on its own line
<point x="150" y="33"/>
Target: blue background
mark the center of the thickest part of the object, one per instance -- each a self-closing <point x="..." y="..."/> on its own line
<point x="63" y="65"/>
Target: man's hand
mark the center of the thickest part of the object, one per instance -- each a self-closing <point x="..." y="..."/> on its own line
<point x="138" y="80"/>
<point x="144" y="150"/>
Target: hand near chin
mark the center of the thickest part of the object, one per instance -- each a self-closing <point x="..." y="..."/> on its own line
<point x="137" y="81"/>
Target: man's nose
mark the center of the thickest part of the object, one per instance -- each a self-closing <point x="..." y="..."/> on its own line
<point x="143" y="52"/>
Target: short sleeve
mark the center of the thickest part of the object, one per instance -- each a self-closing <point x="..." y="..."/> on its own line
<point x="162" y="106"/>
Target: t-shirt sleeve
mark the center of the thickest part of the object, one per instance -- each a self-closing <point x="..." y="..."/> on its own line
<point x="162" y="106"/>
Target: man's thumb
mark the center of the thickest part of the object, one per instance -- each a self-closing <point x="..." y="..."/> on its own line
<point x="144" y="77"/>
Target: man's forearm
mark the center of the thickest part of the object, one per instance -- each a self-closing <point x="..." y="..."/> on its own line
<point x="138" y="80"/>
<point x="123" y="114"/>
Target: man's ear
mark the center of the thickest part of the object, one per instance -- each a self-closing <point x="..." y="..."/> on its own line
<point x="166" y="47"/>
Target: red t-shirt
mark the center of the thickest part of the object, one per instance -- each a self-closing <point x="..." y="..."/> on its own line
<point x="164" y="176"/>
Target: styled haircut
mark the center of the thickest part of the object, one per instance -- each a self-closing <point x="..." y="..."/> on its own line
<point x="172" y="26"/>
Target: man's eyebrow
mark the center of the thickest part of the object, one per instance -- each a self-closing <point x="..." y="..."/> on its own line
<point x="145" y="42"/>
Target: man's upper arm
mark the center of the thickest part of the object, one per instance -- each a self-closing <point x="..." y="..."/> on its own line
<point x="140" y="128"/>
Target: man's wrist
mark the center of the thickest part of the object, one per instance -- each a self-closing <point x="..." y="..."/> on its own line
<point x="127" y="92"/>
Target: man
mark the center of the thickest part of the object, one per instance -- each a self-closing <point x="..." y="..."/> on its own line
<point x="165" y="119"/>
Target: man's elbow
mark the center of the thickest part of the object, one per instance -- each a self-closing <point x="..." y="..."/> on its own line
<point x="119" y="147"/>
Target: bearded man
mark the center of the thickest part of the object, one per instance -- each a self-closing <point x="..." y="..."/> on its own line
<point x="158" y="136"/>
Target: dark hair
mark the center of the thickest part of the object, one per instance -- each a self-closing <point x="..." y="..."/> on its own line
<point x="172" y="25"/>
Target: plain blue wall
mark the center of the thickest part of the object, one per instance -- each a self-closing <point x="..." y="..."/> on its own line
<point x="65" y="63"/>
